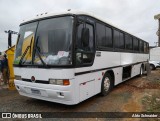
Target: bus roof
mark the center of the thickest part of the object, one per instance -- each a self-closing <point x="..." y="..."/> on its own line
<point x="71" y="12"/>
<point x="46" y="15"/>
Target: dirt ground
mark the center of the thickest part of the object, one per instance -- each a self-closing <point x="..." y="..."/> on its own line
<point x="140" y="94"/>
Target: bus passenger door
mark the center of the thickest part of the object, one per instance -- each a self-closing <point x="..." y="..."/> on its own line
<point x="85" y="52"/>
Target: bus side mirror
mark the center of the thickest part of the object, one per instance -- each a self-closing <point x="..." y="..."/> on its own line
<point x="85" y="37"/>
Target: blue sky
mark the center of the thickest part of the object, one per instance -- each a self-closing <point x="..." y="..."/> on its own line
<point x="134" y="16"/>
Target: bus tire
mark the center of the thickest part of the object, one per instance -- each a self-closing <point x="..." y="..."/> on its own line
<point x="107" y="84"/>
<point x="141" y="71"/>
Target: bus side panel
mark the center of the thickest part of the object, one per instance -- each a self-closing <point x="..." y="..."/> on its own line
<point x="107" y="59"/>
<point x="86" y="90"/>
<point x="98" y="81"/>
<point x="130" y="58"/>
<point x="117" y="75"/>
<point x="135" y="70"/>
<point x="44" y="74"/>
<point x="85" y="86"/>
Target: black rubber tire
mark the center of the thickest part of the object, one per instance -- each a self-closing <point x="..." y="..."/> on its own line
<point x="152" y="67"/>
<point x="105" y="92"/>
<point x="141" y="71"/>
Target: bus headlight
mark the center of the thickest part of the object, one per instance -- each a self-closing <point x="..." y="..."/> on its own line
<point x="52" y="81"/>
<point x="59" y="81"/>
<point x="17" y="77"/>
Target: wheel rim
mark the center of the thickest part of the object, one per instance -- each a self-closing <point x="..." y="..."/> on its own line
<point x="141" y="71"/>
<point x="106" y="84"/>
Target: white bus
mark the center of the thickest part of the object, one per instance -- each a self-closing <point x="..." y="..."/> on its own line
<point x="72" y="56"/>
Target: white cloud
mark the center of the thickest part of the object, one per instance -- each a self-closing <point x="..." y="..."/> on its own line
<point x="134" y="16"/>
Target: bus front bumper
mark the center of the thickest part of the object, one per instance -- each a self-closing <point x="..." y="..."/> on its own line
<point x="48" y="92"/>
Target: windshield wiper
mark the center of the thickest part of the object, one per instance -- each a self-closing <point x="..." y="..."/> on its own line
<point x="38" y="52"/>
<point x="25" y="52"/>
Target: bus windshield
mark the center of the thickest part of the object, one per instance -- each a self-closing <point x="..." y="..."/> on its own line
<point x="52" y="44"/>
<point x="25" y="43"/>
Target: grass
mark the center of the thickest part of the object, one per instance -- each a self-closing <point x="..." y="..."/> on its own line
<point x="151" y="102"/>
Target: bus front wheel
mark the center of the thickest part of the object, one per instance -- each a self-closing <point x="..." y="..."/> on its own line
<point x="107" y="84"/>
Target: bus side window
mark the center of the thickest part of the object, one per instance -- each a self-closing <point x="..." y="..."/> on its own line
<point x="84" y="44"/>
<point x="141" y="45"/>
<point x="91" y="45"/>
<point x="128" y="42"/>
<point x="78" y="40"/>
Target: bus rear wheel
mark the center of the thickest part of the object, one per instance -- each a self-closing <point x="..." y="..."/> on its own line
<point x="141" y="71"/>
<point x="107" y="84"/>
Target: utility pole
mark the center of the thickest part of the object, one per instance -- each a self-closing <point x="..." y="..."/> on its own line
<point x="158" y="32"/>
<point x="10" y="32"/>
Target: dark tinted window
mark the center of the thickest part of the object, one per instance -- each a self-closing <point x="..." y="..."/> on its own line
<point x="128" y="42"/>
<point x="141" y="45"/>
<point x="91" y="38"/>
<point x="84" y="49"/>
<point x="121" y="40"/>
<point x="116" y="38"/>
<point x="79" y="32"/>
<point x="79" y="43"/>
<point x="108" y="37"/>
<point x="145" y="47"/>
<point x="100" y="31"/>
<point x="135" y="44"/>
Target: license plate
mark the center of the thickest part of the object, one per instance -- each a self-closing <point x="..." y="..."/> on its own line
<point x="35" y="91"/>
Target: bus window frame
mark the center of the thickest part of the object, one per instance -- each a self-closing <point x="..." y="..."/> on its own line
<point x="85" y="20"/>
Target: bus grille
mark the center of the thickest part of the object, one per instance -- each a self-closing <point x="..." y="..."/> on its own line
<point x="37" y="81"/>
